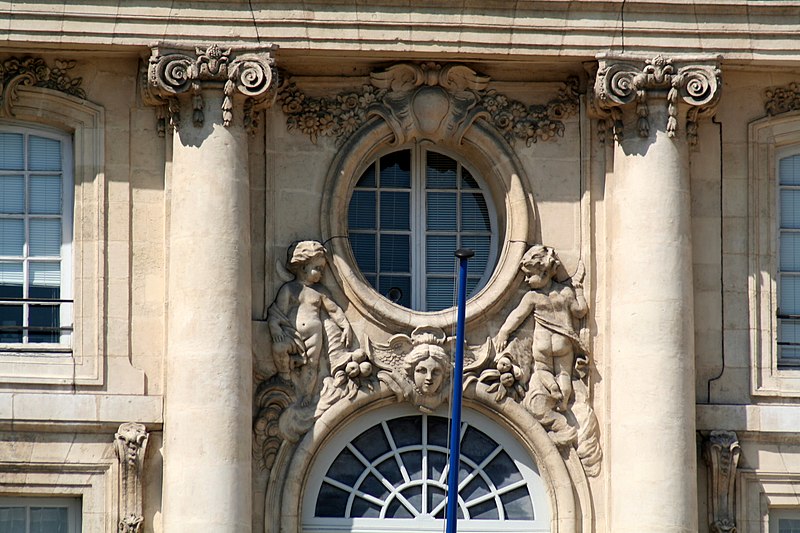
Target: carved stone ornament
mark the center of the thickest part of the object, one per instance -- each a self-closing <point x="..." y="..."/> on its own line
<point x="627" y="82"/>
<point x="34" y="72"/>
<point x="314" y="367"/>
<point x="429" y="101"/>
<point x="130" y="445"/>
<point x="721" y="453"/>
<point x="779" y="100"/>
<point x="174" y="73"/>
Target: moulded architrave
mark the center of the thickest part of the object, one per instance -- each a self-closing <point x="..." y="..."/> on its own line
<point x="84" y="365"/>
<point x="767" y="138"/>
<point x="758" y="493"/>
<point x="502" y="171"/>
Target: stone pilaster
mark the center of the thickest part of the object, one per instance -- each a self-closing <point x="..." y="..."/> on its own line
<point x="208" y="97"/>
<point x="130" y="445"/>
<point x="652" y="108"/>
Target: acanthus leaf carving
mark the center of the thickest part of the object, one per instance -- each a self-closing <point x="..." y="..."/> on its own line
<point x="429" y="101"/>
<point x="172" y="73"/>
<point x="620" y="82"/>
<point x="130" y="446"/>
<point x="35" y="72"/>
<point x="721" y="453"/>
<point x="779" y="100"/>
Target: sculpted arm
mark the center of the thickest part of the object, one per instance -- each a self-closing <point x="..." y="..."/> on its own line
<point x="578" y="306"/>
<point x="338" y="316"/>
<point x="516" y="318"/>
<point x="276" y="315"/>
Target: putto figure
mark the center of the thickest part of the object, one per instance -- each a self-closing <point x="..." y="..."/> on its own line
<point x="303" y="320"/>
<point x="554" y="306"/>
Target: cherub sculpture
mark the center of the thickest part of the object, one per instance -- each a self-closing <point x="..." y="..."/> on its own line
<point x="554" y="305"/>
<point x="416" y="368"/>
<point x="304" y="320"/>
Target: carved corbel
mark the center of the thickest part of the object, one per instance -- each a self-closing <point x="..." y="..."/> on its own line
<point x="172" y="75"/>
<point x="622" y="82"/>
<point x="130" y="445"/>
<point x="721" y="453"/>
<point x="35" y="72"/>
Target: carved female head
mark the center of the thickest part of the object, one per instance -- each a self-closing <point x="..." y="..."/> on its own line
<point x="426" y="366"/>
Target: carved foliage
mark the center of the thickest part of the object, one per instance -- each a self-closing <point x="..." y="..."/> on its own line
<point x="171" y="73"/>
<point x="429" y="101"/>
<point x="721" y="453"/>
<point x="619" y="83"/>
<point x="779" y="100"/>
<point x="35" y="72"/>
<point x="130" y="445"/>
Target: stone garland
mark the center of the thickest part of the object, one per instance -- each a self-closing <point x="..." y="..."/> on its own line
<point x="779" y="100"/>
<point x="34" y="72"/>
<point x="341" y="115"/>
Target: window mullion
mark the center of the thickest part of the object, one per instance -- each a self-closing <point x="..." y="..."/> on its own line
<point x="418" y="229"/>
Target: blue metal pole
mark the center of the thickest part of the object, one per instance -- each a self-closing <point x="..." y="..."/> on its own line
<point x="463" y="254"/>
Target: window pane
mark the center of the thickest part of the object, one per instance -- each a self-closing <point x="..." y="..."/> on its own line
<point x="474" y="213"/>
<point x="481" y="245"/>
<point x="789" y="295"/>
<point x="11" y="156"/>
<point x="43" y="316"/>
<point x="49" y="520"/>
<point x="439" y="258"/>
<point x="788" y="525"/>
<point x="363" y="245"/>
<point x="790" y="208"/>
<point x="12" y="236"/>
<point x="395" y="210"/>
<point x="12" y="194"/>
<point x="441" y="211"/>
<point x="11" y="279"/>
<point x="45" y="195"/>
<point x="440" y="171"/>
<point x="367" y="179"/>
<point x="517" y="504"/>
<point x="395" y="253"/>
<point x="44" y="154"/>
<point x="12" y="519"/>
<point x="467" y="181"/>
<point x="44" y="279"/>
<point x="45" y="237"/>
<point x="396" y="288"/>
<point x="440" y="293"/>
<point x="11" y="322"/>
<point x="396" y="169"/>
<point x="361" y="213"/>
<point x="790" y="251"/>
<point x="789" y="170"/>
<point x="331" y="501"/>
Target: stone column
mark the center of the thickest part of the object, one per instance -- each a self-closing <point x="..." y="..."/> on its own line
<point x="651" y="107"/>
<point x="208" y="97"/>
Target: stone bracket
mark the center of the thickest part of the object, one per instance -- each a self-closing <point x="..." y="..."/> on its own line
<point x="721" y="453"/>
<point x="130" y="445"/>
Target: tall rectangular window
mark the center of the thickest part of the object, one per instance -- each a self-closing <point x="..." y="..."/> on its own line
<point x="40" y="515"/>
<point x="35" y="237"/>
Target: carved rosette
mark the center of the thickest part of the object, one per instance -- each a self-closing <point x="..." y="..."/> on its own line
<point x="35" y="72"/>
<point x="430" y="101"/>
<point x="779" y="100"/>
<point x="721" y="453"/>
<point x="172" y="76"/>
<point x="622" y="83"/>
<point x="130" y="445"/>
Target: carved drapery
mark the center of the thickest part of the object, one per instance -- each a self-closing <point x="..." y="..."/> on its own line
<point x="35" y="72"/>
<point x="316" y="360"/>
<point x="721" y="453"/>
<point x="429" y="101"/>
<point x="779" y="100"/>
<point x="622" y="82"/>
<point x="173" y="77"/>
<point x="130" y="445"/>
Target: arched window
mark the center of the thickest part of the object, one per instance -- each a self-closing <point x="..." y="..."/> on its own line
<point x="409" y="211"/>
<point x="389" y="472"/>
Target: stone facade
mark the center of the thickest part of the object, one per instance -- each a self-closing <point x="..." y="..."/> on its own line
<point x="227" y="335"/>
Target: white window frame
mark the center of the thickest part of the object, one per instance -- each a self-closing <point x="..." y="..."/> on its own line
<point x="418" y="217"/>
<point x="770" y="139"/>
<point x="779" y="156"/>
<point x="325" y="457"/>
<point x="73" y="506"/>
<point x="83" y="362"/>
<point x="67" y="225"/>
<point x="776" y="514"/>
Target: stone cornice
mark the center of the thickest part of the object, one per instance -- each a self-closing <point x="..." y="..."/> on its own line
<point x="35" y="72"/>
<point x="624" y="81"/>
<point x="172" y="72"/>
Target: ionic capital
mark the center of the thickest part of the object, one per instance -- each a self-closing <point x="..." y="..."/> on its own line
<point x="171" y="73"/>
<point x="625" y="82"/>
